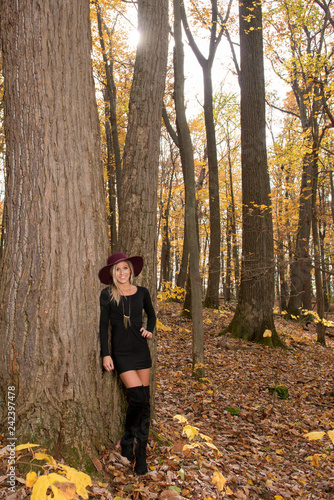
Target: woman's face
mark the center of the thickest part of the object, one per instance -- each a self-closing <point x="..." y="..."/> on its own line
<point x="123" y="272"/>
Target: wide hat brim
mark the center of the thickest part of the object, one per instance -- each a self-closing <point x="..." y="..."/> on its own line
<point x="136" y="261"/>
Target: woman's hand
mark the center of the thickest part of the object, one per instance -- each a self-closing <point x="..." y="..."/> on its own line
<point x="108" y="363"/>
<point x="145" y="333"/>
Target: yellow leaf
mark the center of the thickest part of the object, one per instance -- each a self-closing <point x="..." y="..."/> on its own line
<point x="313" y="436"/>
<point x="42" y="456"/>
<point x="63" y="491"/>
<point x="80" y="479"/>
<point x="190" y="446"/>
<point x="210" y="445"/>
<point x="219" y="480"/>
<point x="278" y="497"/>
<point x="316" y="459"/>
<point x="40" y="488"/>
<point x="279" y="452"/>
<point x="205" y="380"/>
<point x="162" y="327"/>
<point x="25" y="446"/>
<point x="205" y="437"/>
<point x="331" y="436"/>
<point x="31" y="479"/>
<point x="267" y="333"/>
<point x="181" y="419"/>
<point x="190" y="431"/>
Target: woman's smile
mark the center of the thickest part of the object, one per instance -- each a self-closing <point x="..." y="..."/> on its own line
<point x="123" y="272"/>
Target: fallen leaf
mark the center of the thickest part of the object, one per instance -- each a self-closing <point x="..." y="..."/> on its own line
<point x="218" y="480"/>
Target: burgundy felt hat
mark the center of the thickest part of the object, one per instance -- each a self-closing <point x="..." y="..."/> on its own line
<point x="136" y="261"/>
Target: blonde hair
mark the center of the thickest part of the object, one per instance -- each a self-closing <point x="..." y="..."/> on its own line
<point x="114" y="289"/>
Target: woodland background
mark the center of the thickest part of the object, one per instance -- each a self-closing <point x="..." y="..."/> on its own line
<point x="231" y="203"/>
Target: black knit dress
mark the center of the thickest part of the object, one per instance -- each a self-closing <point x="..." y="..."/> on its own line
<point x="129" y="350"/>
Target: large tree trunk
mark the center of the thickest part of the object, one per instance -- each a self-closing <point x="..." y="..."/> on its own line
<point x="138" y="205"/>
<point x="254" y="313"/>
<point x="187" y="159"/>
<point x="56" y="232"/>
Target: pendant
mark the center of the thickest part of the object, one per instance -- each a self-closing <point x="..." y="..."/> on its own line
<point x="126" y="320"/>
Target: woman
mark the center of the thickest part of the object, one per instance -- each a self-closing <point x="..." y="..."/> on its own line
<point x="122" y="305"/>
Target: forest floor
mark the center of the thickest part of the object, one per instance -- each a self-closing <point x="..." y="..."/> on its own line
<point x="259" y="447"/>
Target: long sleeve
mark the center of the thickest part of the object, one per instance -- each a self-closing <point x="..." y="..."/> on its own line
<point x="149" y="309"/>
<point x="104" y="322"/>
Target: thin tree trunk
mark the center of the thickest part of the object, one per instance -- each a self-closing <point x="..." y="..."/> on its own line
<point x="316" y="249"/>
<point x="281" y="264"/>
<point x="235" y="250"/>
<point x="182" y="276"/>
<point x="322" y="225"/>
<point x="56" y="233"/>
<point x="212" y="291"/>
<point x="111" y="99"/>
<point x="111" y="185"/>
<point x="212" y="294"/>
<point x="227" y="288"/>
<point x="165" y="250"/>
<point x="186" y="152"/>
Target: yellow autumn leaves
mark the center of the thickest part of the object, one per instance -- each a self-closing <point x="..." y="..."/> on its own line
<point x="313" y="436"/>
<point x="65" y="484"/>
<point x="199" y="440"/>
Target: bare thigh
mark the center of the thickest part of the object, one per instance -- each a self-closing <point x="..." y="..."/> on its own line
<point x="135" y="378"/>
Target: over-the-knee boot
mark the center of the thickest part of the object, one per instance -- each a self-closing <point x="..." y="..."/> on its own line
<point x="137" y="400"/>
<point x="142" y="435"/>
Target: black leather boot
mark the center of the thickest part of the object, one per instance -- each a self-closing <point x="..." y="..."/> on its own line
<point x="142" y="435"/>
<point x="137" y="400"/>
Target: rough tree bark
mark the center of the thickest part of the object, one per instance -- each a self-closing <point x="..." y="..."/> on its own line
<point x="254" y="312"/>
<point x="56" y="232"/>
<point x="138" y="204"/>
